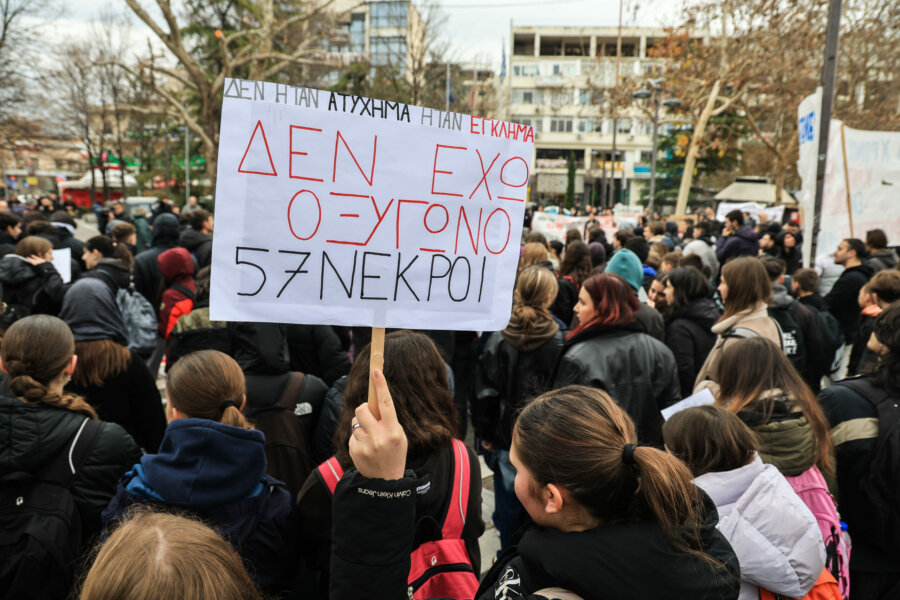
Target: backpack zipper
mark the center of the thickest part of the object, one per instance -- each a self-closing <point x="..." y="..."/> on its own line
<point x="429" y="573"/>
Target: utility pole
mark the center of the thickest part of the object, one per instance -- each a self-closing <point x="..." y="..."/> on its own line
<point x="612" y="180"/>
<point x="829" y="72"/>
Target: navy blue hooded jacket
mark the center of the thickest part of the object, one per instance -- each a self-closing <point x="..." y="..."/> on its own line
<point x="218" y="473"/>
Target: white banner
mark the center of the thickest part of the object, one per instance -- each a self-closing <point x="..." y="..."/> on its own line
<point x="774" y="213"/>
<point x="554" y="227"/>
<point x="343" y="210"/>
<point x="808" y="125"/>
<point x="873" y="175"/>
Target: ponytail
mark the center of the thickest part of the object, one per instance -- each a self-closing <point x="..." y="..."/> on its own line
<point x="208" y="385"/>
<point x="110" y="249"/>
<point x="579" y="439"/>
<point x="534" y="285"/>
<point x="35" y="351"/>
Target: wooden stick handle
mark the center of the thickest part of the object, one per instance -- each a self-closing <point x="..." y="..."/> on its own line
<point x="376" y="361"/>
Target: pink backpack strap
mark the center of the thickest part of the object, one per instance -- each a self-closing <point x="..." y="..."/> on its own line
<point x="459" y="495"/>
<point x="331" y="472"/>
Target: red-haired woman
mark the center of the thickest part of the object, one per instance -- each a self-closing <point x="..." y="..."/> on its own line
<point x="610" y="351"/>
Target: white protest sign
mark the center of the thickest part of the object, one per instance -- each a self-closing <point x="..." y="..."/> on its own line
<point x="873" y="175"/>
<point x="554" y="226"/>
<point x="701" y="398"/>
<point x="808" y="121"/>
<point x="343" y="210"/>
<point x="751" y="208"/>
<point x="62" y="262"/>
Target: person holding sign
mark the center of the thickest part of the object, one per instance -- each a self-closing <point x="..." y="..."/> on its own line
<point x="611" y="515"/>
<point x="426" y="411"/>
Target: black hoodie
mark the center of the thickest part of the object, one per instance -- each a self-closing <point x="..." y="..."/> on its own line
<point x="690" y="338"/>
<point x="199" y="244"/>
<point x="843" y="299"/>
<point x="147" y="279"/>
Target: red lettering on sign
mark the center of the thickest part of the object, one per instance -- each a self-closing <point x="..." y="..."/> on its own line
<point x="318" y="219"/>
<point x="504" y="182"/>
<point x="259" y="128"/>
<point x="508" y="231"/>
<point x="435" y="170"/>
<point x="340" y="138"/>
<point x="484" y="175"/>
<point x="292" y="153"/>
<point x="350" y="215"/>
<point x="446" y="218"/>
<point x="475" y="241"/>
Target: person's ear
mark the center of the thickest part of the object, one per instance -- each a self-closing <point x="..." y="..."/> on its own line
<point x="554" y="498"/>
<point x="2" y="367"/>
<point x="173" y="413"/>
<point x="243" y="403"/>
<point x="70" y="368"/>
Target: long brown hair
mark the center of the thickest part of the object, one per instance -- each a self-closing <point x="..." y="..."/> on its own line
<point x="576" y="262"/>
<point x="532" y="254"/>
<point x="576" y="437"/>
<point x="417" y="377"/>
<point x="709" y="439"/>
<point x="35" y="351"/>
<point x="752" y="366"/>
<point x="748" y="285"/>
<point x="200" y="383"/>
<point x="533" y="286"/>
<point x="99" y="360"/>
<point x="161" y="555"/>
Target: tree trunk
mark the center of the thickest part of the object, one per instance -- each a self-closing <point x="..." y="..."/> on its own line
<point x="690" y="160"/>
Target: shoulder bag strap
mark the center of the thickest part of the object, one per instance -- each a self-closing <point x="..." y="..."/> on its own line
<point x="292" y="389"/>
<point x="331" y="472"/>
<point x="455" y="520"/>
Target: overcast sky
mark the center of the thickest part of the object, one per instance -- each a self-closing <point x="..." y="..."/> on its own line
<point x="477" y="28"/>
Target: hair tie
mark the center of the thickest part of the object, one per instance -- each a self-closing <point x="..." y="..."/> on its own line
<point x="628" y="454"/>
<point x="224" y="406"/>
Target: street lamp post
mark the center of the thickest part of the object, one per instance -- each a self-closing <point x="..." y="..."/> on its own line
<point x="653" y="94"/>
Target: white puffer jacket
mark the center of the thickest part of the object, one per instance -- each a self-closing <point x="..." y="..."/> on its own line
<point x="773" y="533"/>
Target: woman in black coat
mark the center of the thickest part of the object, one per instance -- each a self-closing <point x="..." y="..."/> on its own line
<point x="515" y="367"/>
<point x="689" y="320"/>
<point x="30" y="283"/>
<point x="114" y="380"/>
<point x="610" y="351"/>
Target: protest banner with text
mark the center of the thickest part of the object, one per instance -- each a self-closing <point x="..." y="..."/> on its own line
<point x="345" y="210"/>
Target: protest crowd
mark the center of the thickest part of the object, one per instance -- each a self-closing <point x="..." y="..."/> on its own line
<point x="264" y="471"/>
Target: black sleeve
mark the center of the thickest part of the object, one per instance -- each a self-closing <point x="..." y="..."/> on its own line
<point x="146" y="406"/>
<point x="680" y="342"/>
<point x="489" y="380"/>
<point x="51" y="282"/>
<point x="372" y="535"/>
<point x="323" y="435"/>
<point x="314" y="517"/>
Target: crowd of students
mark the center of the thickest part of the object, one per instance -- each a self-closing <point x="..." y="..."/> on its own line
<point x="265" y="471"/>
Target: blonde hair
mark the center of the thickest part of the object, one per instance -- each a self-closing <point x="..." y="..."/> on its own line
<point x="533" y="286"/>
<point x="532" y="254"/>
<point x="160" y="555"/>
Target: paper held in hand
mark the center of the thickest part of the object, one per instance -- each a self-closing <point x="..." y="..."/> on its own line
<point x="342" y="210"/>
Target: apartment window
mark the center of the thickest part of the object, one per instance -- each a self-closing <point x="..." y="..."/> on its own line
<point x="588" y="125"/>
<point x="388" y="51"/>
<point x="357" y="33"/>
<point x="534" y="122"/>
<point x="561" y="97"/>
<point x="561" y="125"/>
<point x="623" y="125"/>
<point x="388" y="14"/>
<point x="565" y="69"/>
<point x="527" y="97"/>
<point x="525" y="70"/>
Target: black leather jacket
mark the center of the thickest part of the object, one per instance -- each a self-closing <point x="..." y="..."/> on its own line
<point x="507" y="379"/>
<point x="638" y="371"/>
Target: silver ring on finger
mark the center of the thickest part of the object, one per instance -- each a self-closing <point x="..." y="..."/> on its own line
<point x="355" y="426"/>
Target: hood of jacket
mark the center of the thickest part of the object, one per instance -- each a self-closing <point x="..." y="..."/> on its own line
<point x="780" y="550"/>
<point x="814" y="300"/>
<point x="527" y="337"/>
<point x="193" y="239"/>
<point x="175" y="263"/>
<point x="165" y="230"/>
<point x="786" y="440"/>
<point x="90" y="310"/>
<point x="702" y="311"/>
<point x="887" y="258"/>
<point x="631" y="560"/>
<point x="113" y="271"/>
<point x="863" y="269"/>
<point x="747" y="233"/>
<point x="780" y="296"/>
<point x="202" y="463"/>
<point x="14" y="269"/>
<point x="260" y="348"/>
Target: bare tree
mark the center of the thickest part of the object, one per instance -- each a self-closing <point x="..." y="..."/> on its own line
<point x="255" y="47"/>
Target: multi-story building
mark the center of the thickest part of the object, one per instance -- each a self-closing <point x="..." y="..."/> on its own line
<point x="560" y="81"/>
<point x="385" y="33"/>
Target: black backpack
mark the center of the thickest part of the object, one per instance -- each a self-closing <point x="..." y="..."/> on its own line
<point x="288" y="426"/>
<point x="792" y="341"/>
<point x="832" y="336"/>
<point x="40" y="528"/>
<point x="881" y="482"/>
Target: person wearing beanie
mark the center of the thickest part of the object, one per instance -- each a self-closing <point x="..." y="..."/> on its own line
<point x="147" y="278"/>
<point x="627" y="265"/>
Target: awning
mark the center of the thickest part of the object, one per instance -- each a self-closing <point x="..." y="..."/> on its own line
<point x="746" y="191"/>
